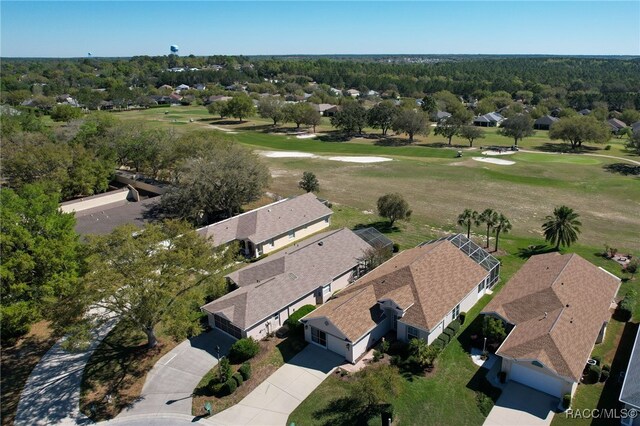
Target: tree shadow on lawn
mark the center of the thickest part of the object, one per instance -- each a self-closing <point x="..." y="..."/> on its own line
<point x="613" y="386"/>
<point x="393" y="141"/>
<point x="532" y="250"/>
<point x="335" y="136"/>
<point x="623" y="169"/>
<point x="442" y="145"/>
<point x="565" y="148"/>
<point x="466" y="339"/>
<point x="346" y="411"/>
<point x="381" y="225"/>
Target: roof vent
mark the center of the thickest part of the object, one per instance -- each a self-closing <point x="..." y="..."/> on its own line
<point x="545" y="314"/>
<point x="293" y="276"/>
<point x="320" y="243"/>
<point x="567" y="305"/>
<point x="268" y="210"/>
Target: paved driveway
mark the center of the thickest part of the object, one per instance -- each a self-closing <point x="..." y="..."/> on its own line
<point x="274" y="399"/>
<point x="523" y="406"/>
<point x="168" y="386"/>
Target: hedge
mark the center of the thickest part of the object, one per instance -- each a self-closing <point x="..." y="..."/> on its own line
<point x="230" y="386"/>
<point x="243" y="350"/>
<point x="439" y="344"/>
<point x="455" y="326"/>
<point x="461" y="317"/>
<point x="566" y="400"/>
<point x="245" y="371"/>
<point x="449" y="332"/>
<point x="594" y="374"/>
<point x="238" y="378"/>
<point x="293" y="322"/>
<point x="445" y="338"/>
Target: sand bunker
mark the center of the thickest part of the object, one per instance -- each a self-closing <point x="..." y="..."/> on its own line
<point x="494" y="161"/>
<point x="306" y="136"/>
<point x="287" y="154"/>
<point x="492" y="152"/>
<point x="360" y="159"/>
<point x="222" y="129"/>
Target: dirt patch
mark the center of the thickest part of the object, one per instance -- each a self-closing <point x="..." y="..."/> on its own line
<point x="18" y="361"/>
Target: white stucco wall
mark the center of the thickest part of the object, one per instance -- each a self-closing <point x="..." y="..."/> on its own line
<point x="94" y="201"/>
<point x="542" y="372"/>
<point x="270" y="325"/>
<point x="154" y="189"/>
<point x="280" y="241"/>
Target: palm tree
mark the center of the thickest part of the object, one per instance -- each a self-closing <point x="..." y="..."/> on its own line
<point x="562" y="227"/>
<point x="502" y="225"/>
<point x="489" y="217"/>
<point x="467" y="218"/>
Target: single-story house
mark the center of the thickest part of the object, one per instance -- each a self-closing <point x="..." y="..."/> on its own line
<point x="585" y="111"/>
<point x="630" y="394"/>
<point x="273" y="226"/>
<point x="353" y="93"/>
<point x="492" y="119"/>
<point x="326" y="110"/>
<point x="559" y="307"/>
<point x="217" y="98"/>
<point x="635" y="127"/>
<point x="183" y="87"/>
<point x="416" y="293"/>
<point x="544" y="122"/>
<point x="165" y="87"/>
<point x="270" y="290"/>
<point x="335" y="92"/>
<point x="440" y="115"/>
<point x="616" y="124"/>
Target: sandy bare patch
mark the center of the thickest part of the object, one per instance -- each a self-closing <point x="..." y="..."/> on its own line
<point x="495" y="161"/>
<point x="360" y="159"/>
<point x="287" y="154"/>
<point x="306" y="136"/>
<point x="492" y="152"/>
<point x="222" y="129"/>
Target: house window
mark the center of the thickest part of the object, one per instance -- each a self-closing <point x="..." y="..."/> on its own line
<point x="292" y="235"/>
<point x="412" y="333"/>
<point x="226" y="326"/>
<point x="455" y="312"/>
<point x="482" y="285"/>
<point x="326" y="289"/>
<point x="326" y="220"/>
<point x="319" y="337"/>
<point x="272" y="243"/>
<point x="537" y="364"/>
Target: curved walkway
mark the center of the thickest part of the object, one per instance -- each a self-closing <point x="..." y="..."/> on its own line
<point x="52" y="392"/>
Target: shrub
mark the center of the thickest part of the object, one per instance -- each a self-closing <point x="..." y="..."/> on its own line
<point x="626" y="307"/>
<point x="597" y="359"/>
<point x="439" y="344"/>
<point x="230" y="386"/>
<point x="243" y="350"/>
<point x="293" y="322"/>
<point x="594" y="374"/>
<point x="377" y="355"/>
<point x="396" y="247"/>
<point x="455" y="326"/>
<point x="384" y="346"/>
<point x="632" y="266"/>
<point x="15" y="321"/>
<point x="606" y="367"/>
<point x="445" y="338"/>
<point x="484" y="402"/>
<point x="607" y="148"/>
<point x="566" y="400"/>
<point x="493" y="329"/>
<point x="224" y="370"/>
<point x="245" y="371"/>
<point x="462" y="317"/>
<point x="238" y="378"/>
<point x="449" y="332"/>
<point x="604" y="375"/>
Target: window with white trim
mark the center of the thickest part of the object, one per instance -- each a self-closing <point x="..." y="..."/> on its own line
<point x="412" y="333"/>
<point x="455" y="312"/>
<point x="318" y="336"/>
<point x="326" y="289"/>
<point x="292" y="235"/>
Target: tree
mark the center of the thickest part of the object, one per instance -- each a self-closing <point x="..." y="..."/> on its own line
<point x="309" y="182"/>
<point x="240" y="106"/>
<point x="41" y="259"/>
<point x="411" y="122"/>
<point x="562" y="227"/>
<point x="423" y="353"/>
<point x="451" y="126"/>
<point x="517" y="127"/>
<point x="429" y="104"/>
<point x="271" y="108"/>
<point x="65" y="112"/>
<point x="471" y="133"/>
<point x="351" y="118"/>
<point x="220" y="107"/>
<point x="373" y="257"/>
<point x="578" y="129"/>
<point x="393" y="207"/>
<point x="502" y="225"/>
<point x="375" y="385"/>
<point x="493" y="329"/>
<point x="467" y="218"/>
<point x="157" y="274"/>
<point x="382" y="115"/>
<point x="630" y="116"/>
<point x="217" y="181"/>
<point x="633" y="144"/>
<point x="301" y="113"/>
<point x="489" y="217"/>
<point x="312" y="118"/>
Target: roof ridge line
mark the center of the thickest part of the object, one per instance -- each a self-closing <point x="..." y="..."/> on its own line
<point x="571" y="256"/>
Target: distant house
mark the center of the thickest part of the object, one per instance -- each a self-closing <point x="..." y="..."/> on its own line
<point x="326" y="110"/>
<point x="372" y="93"/>
<point x="270" y="290"/>
<point x="273" y="226"/>
<point x="217" y="98"/>
<point x="335" y="92"/>
<point x="616" y="125"/>
<point x="555" y="112"/>
<point x="557" y="308"/>
<point x="353" y="93"/>
<point x="200" y="86"/>
<point x="165" y="87"/>
<point x="176" y="69"/>
<point x="182" y="87"/>
<point x="440" y="115"/>
<point x="630" y="394"/>
<point x="416" y="294"/>
<point x="492" y="119"/>
<point x="585" y="111"/>
<point x="544" y="122"/>
<point x="635" y="127"/>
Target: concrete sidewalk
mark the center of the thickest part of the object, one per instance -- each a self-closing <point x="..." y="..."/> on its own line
<point x="52" y="392"/>
<point x="170" y="383"/>
<point x="523" y="406"/>
<point x="274" y="399"/>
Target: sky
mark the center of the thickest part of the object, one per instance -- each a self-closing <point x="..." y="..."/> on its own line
<point x="127" y="28"/>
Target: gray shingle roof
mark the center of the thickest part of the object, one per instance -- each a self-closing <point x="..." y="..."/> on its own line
<point x="546" y="120"/>
<point x="267" y="222"/>
<point x="275" y="282"/>
<point x="630" y="393"/>
<point x="104" y="219"/>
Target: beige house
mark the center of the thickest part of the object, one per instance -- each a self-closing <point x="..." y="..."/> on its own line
<point x="559" y="307"/>
<point x="417" y="294"/>
<point x="273" y="226"/>
<point x="270" y="290"/>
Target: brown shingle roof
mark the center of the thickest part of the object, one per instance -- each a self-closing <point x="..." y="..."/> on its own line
<point x="269" y="221"/>
<point x="275" y="282"/>
<point x="429" y="280"/>
<point x="558" y="304"/>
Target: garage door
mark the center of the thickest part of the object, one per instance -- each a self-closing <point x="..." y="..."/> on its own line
<point x="537" y="380"/>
